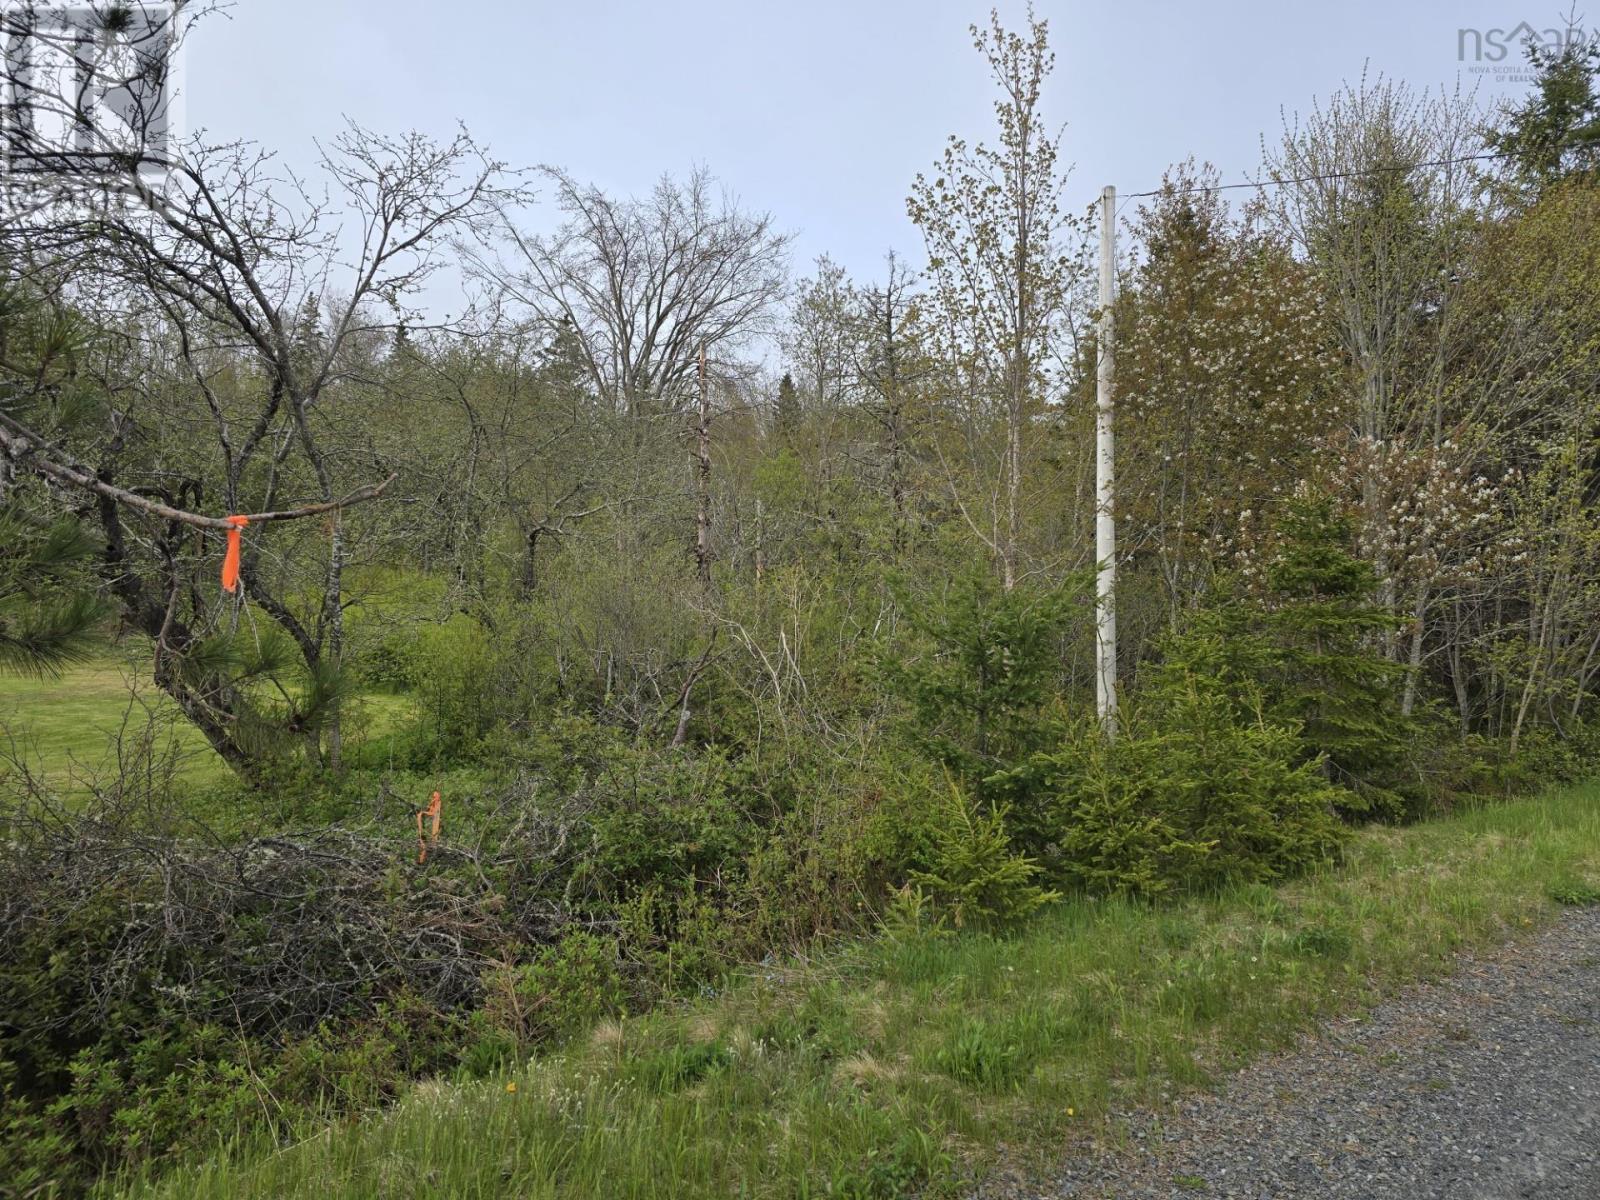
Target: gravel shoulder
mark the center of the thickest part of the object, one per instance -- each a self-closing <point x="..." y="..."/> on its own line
<point x="1482" y="1086"/>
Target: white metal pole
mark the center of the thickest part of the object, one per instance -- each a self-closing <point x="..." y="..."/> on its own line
<point x="1105" y="526"/>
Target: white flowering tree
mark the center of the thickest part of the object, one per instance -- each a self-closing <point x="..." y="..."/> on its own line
<point x="1223" y="370"/>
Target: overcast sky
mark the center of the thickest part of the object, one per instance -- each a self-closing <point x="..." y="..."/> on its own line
<point x="821" y="111"/>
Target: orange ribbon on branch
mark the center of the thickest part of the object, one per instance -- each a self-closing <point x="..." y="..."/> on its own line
<point x="424" y="842"/>
<point x="230" y="560"/>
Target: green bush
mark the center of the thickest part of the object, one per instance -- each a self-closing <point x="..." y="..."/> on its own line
<point x="479" y="682"/>
<point x="669" y="819"/>
<point x="1544" y="756"/>
<point x="183" y="1090"/>
<point x="451" y="670"/>
<point x="1189" y="795"/>
<point x="973" y="874"/>
<point x="566" y="988"/>
<point x="981" y="677"/>
<point x="1329" y="673"/>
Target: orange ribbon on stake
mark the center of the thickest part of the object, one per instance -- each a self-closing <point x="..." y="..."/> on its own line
<point x="230" y="560"/>
<point x="424" y="842"/>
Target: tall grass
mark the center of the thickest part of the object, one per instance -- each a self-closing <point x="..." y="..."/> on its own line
<point x="918" y="1061"/>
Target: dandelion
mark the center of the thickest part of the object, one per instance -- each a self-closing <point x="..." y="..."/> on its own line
<point x="1071" y="1112"/>
<point x="511" y="1088"/>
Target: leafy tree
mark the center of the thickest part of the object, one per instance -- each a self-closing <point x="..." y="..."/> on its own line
<point x="992" y="221"/>
<point x="1378" y="195"/>
<point x="1222" y="363"/>
<point x="822" y="335"/>
<point x="225" y="338"/>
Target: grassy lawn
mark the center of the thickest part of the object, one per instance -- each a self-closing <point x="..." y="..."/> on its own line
<point x="909" y="1064"/>
<point x="66" y="727"/>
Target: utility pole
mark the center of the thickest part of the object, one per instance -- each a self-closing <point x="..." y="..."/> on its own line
<point x="1105" y="524"/>
<point x="702" y="521"/>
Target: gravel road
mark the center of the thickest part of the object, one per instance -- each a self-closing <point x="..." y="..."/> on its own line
<point x="1483" y="1086"/>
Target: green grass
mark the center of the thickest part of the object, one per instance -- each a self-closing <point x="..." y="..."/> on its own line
<point x="66" y="727"/>
<point x="918" y="1062"/>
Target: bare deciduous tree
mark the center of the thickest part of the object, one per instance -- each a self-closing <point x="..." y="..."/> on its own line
<point x="237" y="269"/>
<point x="643" y="284"/>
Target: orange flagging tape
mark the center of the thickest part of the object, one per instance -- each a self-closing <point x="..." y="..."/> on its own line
<point x="424" y="842"/>
<point x="230" y="560"/>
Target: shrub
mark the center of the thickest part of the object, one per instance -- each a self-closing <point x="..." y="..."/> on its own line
<point x="981" y="681"/>
<point x="452" y="672"/>
<point x="164" y="990"/>
<point x="566" y="988"/>
<point x="181" y="1090"/>
<point x="1189" y="795"/>
<point x="666" y="819"/>
<point x="1111" y="834"/>
<point x="1544" y="757"/>
<point x="973" y="873"/>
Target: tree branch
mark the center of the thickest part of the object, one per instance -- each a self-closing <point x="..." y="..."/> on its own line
<point x="26" y="448"/>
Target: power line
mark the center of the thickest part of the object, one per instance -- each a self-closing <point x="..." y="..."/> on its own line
<point x="1223" y="187"/>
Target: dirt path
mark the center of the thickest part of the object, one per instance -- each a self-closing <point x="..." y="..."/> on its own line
<point x="1484" y="1086"/>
